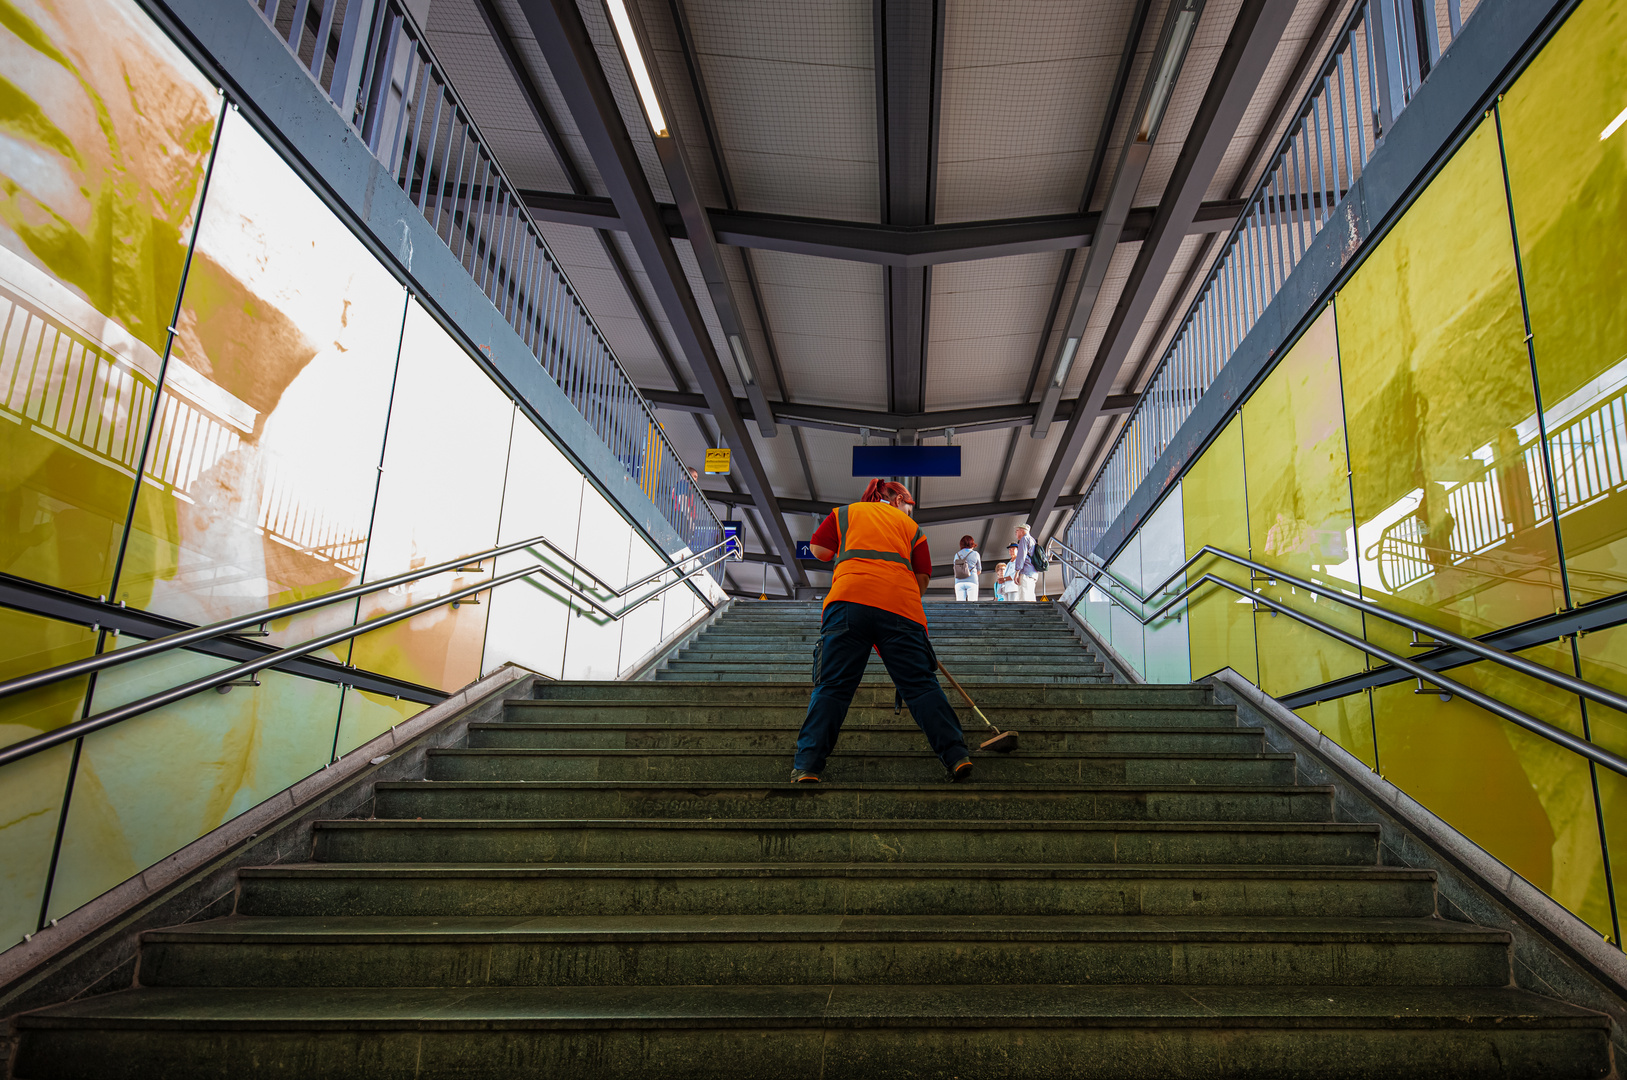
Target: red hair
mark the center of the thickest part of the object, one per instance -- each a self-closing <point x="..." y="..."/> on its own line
<point x="880" y="490"/>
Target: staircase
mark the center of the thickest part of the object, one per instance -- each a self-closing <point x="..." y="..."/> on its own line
<point x="988" y="642"/>
<point x="616" y="881"/>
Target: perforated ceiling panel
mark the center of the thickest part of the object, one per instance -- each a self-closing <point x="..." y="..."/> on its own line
<point x="987" y="317"/>
<point x="1026" y="85"/>
<point x="793" y="94"/>
<point x="827" y="320"/>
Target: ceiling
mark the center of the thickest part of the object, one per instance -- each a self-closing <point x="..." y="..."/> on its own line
<point x="834" y="152"/>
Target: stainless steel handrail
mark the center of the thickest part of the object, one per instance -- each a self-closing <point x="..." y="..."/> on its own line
<point x="1613" y="762"/>
<point x="69" y="732"/>
<point x="183" y="638"/>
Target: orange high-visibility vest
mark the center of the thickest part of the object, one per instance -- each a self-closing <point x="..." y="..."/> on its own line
<point x="872" y="564"/>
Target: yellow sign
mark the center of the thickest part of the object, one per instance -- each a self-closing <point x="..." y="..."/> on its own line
<point x="717" y="461"/>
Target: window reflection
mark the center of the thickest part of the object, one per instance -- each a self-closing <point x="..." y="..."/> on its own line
<point x="259" y="486"/>
<point x="102" y="155"/>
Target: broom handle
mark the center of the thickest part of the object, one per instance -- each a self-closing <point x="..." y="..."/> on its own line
<point x="967" y="696"/>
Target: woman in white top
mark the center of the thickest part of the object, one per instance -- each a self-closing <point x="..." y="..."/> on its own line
<point x="968" y="569"/>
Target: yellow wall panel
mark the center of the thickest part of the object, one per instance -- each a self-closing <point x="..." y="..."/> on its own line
<point x="1215" y="508"/>
<point x="367" y="715"/>
<point x="153" y="784"/>
<point x="1348" y="721"/>
<point x="1569" y="189"/>
<point x="1439" y="406"/>
<point x="1299" y="510"/>
<point x="34" y="643"/>
<point x="1526" y="800"/>
<point x="1604" y="662"/>
<point x="31" y="793"/>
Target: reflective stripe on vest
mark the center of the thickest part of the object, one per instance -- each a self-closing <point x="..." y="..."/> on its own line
<point x="844" y="553"/>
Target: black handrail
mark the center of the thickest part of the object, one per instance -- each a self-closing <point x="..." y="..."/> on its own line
<point x="1615" y="763"/>
<point x="69" y="732"/>
<point x="183" y="638"/>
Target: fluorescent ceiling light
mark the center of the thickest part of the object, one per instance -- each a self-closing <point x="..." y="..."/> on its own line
<point x="1621" y="118"/>
<point x="739" y="352"/>
<point x="1066" y="363"/>
<point x="635" y="64"/>
<point x="1186" y="21"/>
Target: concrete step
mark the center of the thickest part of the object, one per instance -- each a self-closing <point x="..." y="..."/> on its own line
<point x="902" y="1031"/>
<point x="792" y="950"/>
<point x="796" y="692"/>
<point x="876" y="675"/>
<point x="872" y="766"/>
<point x="877" y="888"/>
<point x="899" y="735"/>
<point x="701" y="710"/>
<point x="772" y="662"/>
<point x="836" y="802"/>
<point x="744" y="840"/>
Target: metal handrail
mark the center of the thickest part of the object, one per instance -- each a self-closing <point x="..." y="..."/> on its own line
<point x="1489" y="652"/>
<point x="79" y="729"/>
<point x="183" y="638"/>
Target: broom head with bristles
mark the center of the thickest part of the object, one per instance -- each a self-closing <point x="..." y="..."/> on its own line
<point x="1003" y="743"/>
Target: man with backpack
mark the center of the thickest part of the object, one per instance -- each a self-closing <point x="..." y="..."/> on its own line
<point x="1027" y="564"/>
<point x="968" y="569"/>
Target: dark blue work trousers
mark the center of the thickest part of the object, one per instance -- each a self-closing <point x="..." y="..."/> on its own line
<point x="849" y="631"/>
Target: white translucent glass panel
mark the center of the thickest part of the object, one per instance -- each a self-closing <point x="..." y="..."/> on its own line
<point x="641" y="629"/>
<point x="1128" y="638"/>
<point x="530" y="617"/>
<point x="260" y="480"/>
<point x="593" y="642"/>
<point x="1163" y="550"/>
<point x="440" y="497"/>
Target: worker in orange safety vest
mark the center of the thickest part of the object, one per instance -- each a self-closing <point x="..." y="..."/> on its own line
<point x="882" y="566"/>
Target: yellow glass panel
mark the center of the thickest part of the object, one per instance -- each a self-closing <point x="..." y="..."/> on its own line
<point x="367" y="715"/>
<point x="260" y="483"/>
<point x="1604" y="663"/>
<point x="1299" y="511"/>
<point x="1569" y="189"/>
<point x="1524" y="799"/>
<point x="34" y="643"/>
<point x="1214" y="503"/>
<point x="1348" y="721"/>
<point x="153" y="784"/>
<point x="107" y="131"/>
<point x="440" y="497"/>
<point x="1451" y="525"/>
<point x="31" y="793"/>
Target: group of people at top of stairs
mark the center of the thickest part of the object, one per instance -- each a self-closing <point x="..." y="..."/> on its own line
<point x="1015" y="579"/>
<point x="880" y="572"/>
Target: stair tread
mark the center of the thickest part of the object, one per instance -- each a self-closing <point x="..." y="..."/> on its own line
<point x="1107" y="928"/>
<point x="887" y="755"/>
<point x="760" y="825"/>
<point x="1074" y="871"/>
<point x="831" y="1005"/>
<point x="965" y="791"/>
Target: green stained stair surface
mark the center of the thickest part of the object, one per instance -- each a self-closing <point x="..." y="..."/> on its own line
<point x="617" y="880"/>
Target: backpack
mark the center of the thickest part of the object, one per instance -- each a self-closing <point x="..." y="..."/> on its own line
<point x="963" y="569"/>
<point x="1036" y="559"/>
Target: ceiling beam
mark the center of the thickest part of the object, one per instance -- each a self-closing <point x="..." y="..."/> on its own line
<point x="909" y="83"/>
<point x="674" y="158"/>
<point x="1253" y="40"/>
<point x="924" y="515"/>
<point x="574" y="63"/>
<point x="1180" y="23"/>
<point x="881" y="245"/>
<point x="980" y="418"/>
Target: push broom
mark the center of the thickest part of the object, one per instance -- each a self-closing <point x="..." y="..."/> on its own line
<point x="1004" y="742"/>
